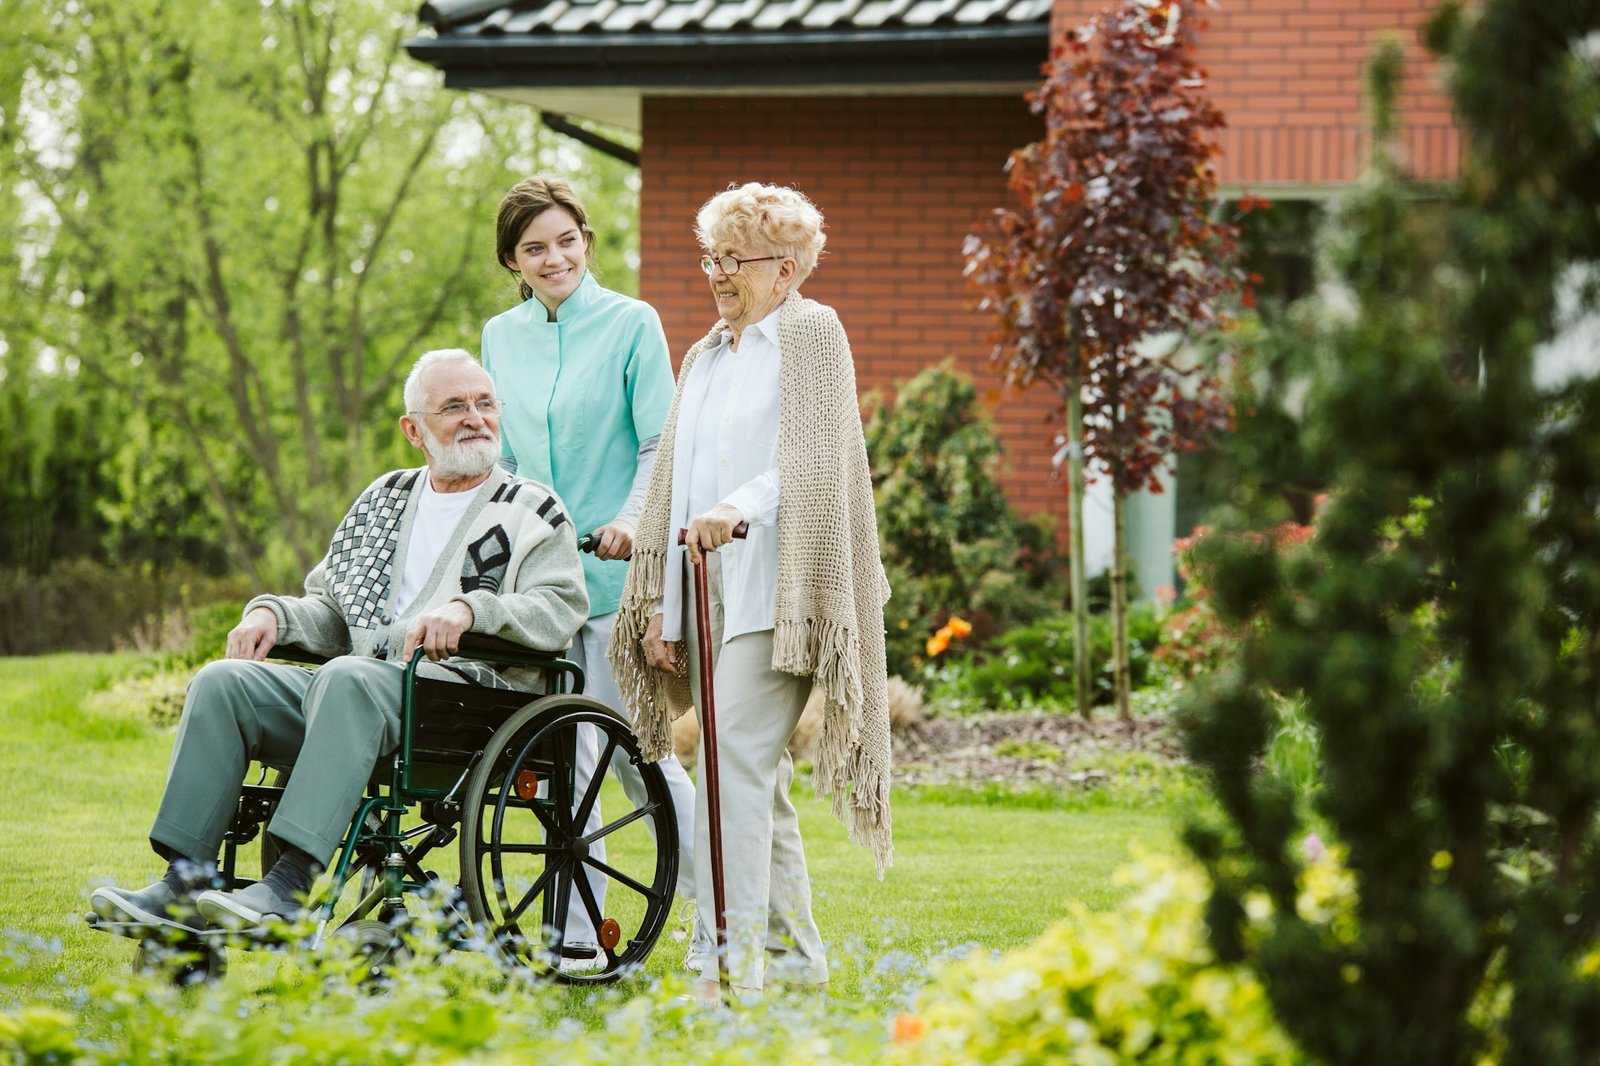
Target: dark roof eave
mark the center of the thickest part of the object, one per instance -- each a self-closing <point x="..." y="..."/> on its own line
<point x="726" y="60"/>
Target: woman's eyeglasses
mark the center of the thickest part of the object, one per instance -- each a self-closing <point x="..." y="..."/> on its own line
<point x="730" y="264"/>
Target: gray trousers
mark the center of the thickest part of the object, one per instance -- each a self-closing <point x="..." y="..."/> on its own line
<point x="767" y="888"/>
<point x="589" y="651"/>
<point x="332" y="725"/>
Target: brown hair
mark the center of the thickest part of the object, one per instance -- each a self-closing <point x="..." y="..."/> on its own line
<point x="527" y="200"/>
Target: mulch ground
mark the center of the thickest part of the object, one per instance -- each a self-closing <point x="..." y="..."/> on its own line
<point x="1021" y="748"/>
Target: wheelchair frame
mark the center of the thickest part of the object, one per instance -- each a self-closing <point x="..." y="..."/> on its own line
<point x="526" y="765"/>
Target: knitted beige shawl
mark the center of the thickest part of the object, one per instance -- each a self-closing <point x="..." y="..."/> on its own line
<point x="831" y="585"/>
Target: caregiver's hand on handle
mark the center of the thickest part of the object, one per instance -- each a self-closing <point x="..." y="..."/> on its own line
<point x="718" y="526"/>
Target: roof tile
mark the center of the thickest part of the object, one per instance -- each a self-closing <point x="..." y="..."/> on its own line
<point x="460" y="19"/>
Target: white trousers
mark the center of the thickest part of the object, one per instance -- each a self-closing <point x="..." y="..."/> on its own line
<point x="589" y="652"/>
<point x="766" y="886"/>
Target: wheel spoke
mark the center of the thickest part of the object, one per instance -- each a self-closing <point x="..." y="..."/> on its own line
<point x="591" y="795"/>
<point x="539" y="810"/>
<point x="590" y="905"/>
<point x="535" y="890"/>
<point x="627" y="819"/>
<point x="520" y="849"/>
<point x="617" y="875"/>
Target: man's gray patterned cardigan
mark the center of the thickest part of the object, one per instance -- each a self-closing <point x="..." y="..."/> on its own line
<point x="513" y="559"/>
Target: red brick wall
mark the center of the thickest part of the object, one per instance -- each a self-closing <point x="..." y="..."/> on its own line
<point x="900" y="181"/>
<point x="1288" y="74"/>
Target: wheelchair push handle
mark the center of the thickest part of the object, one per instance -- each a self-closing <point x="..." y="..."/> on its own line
<point x="589" y="543"/>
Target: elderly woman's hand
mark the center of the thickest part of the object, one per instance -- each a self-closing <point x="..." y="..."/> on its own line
<point x="711" y="530"/>
<point x="661" y="654"/>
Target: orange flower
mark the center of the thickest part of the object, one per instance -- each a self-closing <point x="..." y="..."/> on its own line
<point x="937" y="644"/>
<point x="958" y="626"/>
<point x="909" y="1027"/>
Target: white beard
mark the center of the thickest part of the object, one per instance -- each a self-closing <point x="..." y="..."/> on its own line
<point x="461" y="458"/>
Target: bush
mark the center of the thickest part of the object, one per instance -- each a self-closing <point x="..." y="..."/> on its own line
<point x="1033" y="664"/>
<point x="951" y="543"/>
<point x="1138" y="984"/>
<point x="1194" y="640"/>
<point x="87" y="605"/>
<point x="1133" y="984"/>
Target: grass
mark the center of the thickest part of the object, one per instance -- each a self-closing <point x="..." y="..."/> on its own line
<point x="83" y="780"/>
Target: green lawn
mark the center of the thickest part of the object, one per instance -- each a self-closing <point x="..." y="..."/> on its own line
<point x="82" y="784"/>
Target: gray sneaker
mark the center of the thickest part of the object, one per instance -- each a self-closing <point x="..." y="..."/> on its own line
<point x="150" y="907"/>
<point x="250" y="907"/>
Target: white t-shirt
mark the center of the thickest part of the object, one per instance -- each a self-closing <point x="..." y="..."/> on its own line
<point x="438" y="514"/>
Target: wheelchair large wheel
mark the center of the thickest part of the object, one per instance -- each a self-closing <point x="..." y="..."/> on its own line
<point x="525" y="855"/>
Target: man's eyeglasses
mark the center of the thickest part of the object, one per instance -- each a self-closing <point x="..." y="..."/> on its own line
<point x="459" y="410"/>
<point x="730" y="264"/>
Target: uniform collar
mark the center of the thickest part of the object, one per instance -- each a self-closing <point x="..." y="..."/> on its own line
<point x="587" y="292"/>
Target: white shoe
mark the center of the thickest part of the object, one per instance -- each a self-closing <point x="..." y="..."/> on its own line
<point x="702" y="947"/>
<point x="579" y="959"/>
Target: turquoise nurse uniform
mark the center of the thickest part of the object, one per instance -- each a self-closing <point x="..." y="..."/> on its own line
<point x="578" y="395"/>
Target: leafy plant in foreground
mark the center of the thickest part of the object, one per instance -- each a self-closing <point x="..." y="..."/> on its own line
<point x="1451" y="669"/>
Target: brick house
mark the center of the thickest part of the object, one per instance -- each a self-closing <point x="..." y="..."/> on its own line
<point x="896" y="117"/>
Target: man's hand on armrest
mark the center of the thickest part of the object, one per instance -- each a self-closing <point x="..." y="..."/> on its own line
<point x="438" y="633"/>
<point x="254" y="637"/>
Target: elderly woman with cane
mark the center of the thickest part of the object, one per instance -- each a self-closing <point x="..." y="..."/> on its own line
<point x="764" y="431"/>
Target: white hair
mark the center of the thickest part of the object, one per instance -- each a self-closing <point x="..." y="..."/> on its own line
<point x="755" y="218"/>
<point x="413" y="390"/>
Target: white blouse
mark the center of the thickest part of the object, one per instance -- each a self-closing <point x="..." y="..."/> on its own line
<point x="726" y="451"/>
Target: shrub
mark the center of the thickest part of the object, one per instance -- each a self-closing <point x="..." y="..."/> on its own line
<point x="1448" y="664"/>
<point x="83" y="604"/>
<point x="1033" y="664"/>
<point x="1138" y="984"/>
<point x="951" y="543"/>
<point x="1194" y="640"/>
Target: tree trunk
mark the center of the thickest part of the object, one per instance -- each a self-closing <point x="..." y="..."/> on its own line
<point x="1122" y="674"/>
<point x="1079" y="581"/>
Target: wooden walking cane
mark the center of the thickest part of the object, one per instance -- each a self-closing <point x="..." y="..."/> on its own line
<point x="708" y="741"/>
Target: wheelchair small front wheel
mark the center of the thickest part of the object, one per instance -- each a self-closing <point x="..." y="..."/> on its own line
<point x="375" y="947"/>
<point x="562" y="884"/>
<point x="186" y="962"/>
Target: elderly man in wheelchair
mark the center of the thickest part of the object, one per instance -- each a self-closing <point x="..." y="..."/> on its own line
<point x="442" y="603"/>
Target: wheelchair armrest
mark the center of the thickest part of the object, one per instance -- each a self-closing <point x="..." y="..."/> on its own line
<point x="497" y="650"/>
<point x="294" y="653"/>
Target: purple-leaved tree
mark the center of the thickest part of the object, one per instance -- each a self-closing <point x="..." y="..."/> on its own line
<point x="1112" y="259"/>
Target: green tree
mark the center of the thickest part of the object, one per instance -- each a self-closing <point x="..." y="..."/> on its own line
<point x="1442" y="629"/>
<point x="232" y="227"/>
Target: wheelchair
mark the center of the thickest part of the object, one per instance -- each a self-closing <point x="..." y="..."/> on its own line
<point x="492" y="771"/>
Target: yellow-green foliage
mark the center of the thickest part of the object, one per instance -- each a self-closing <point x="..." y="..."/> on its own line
<point x="1137" y="984"/>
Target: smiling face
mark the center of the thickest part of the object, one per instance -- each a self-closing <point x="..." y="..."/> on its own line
<point x="550" y="255"/>
<point x="754" y="291"/>
<point x="462" y="443"/>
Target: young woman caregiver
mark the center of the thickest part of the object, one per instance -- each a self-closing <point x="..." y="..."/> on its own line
<point x="584" y="383"/>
